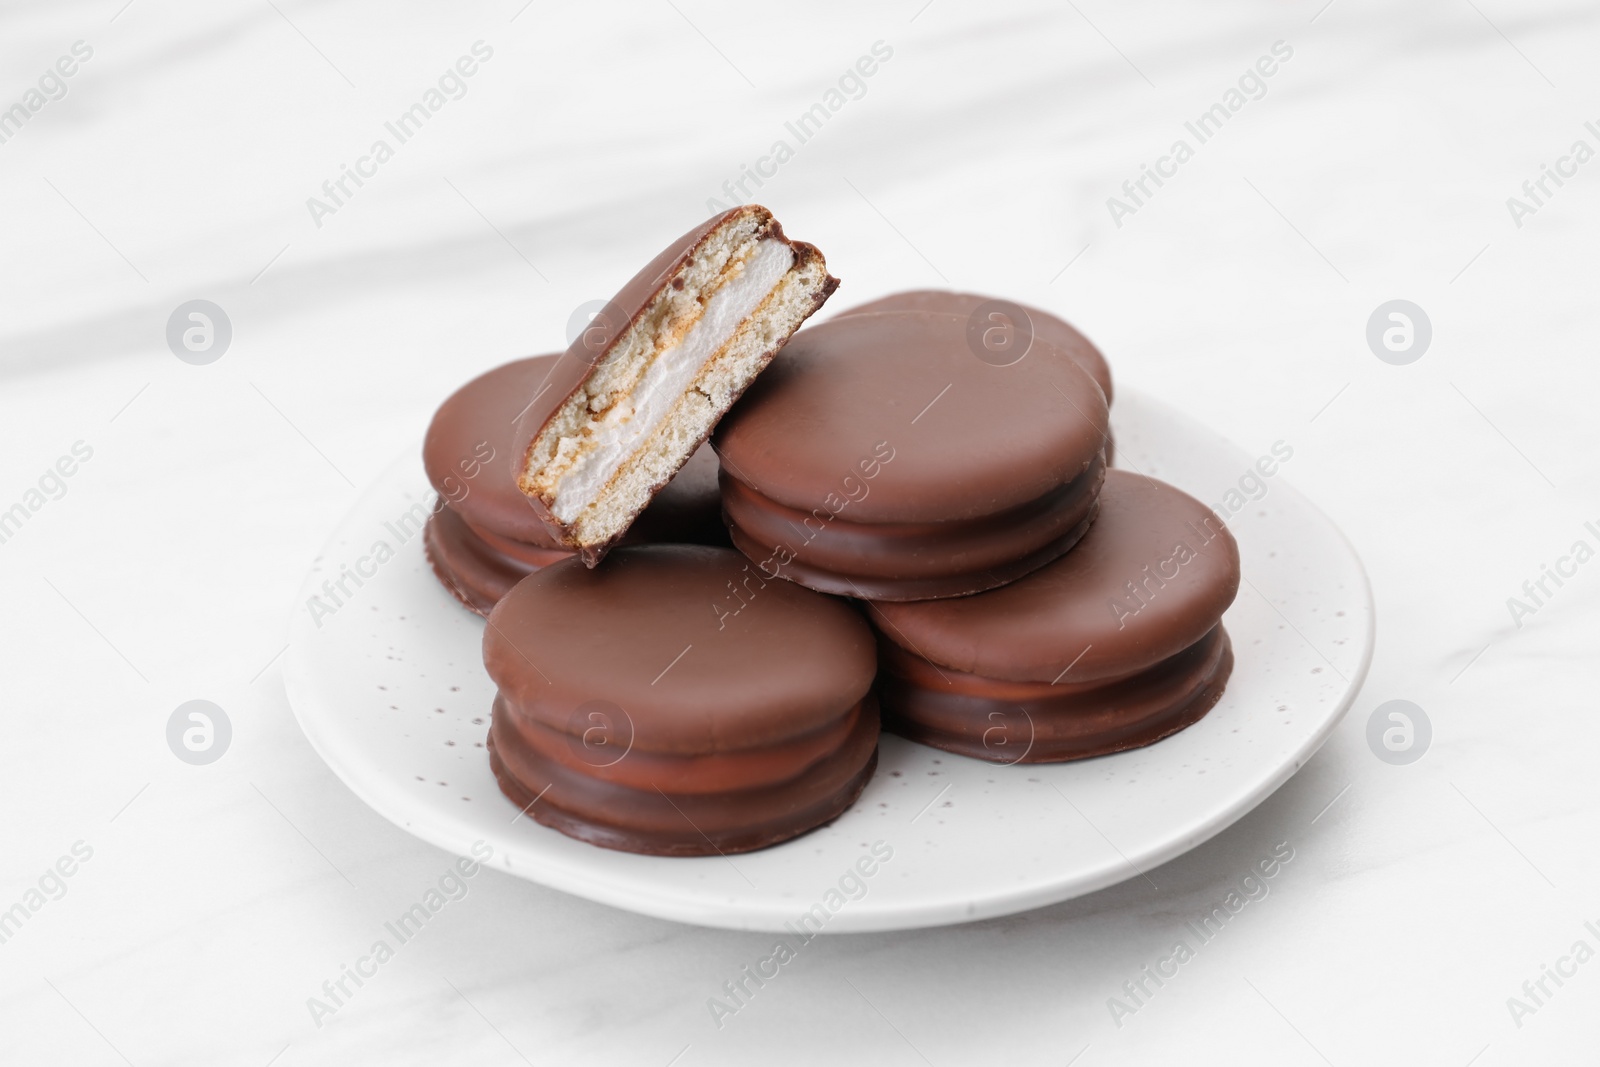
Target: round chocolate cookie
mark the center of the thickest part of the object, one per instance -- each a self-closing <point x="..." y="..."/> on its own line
<point x="1053" y="331"/>
<point x="484" y="537"/>
<point x="1115" y="645"/>
<point x="477" y="566"/>
<point x="672" y="701"/>
<point x="879" y="457"/>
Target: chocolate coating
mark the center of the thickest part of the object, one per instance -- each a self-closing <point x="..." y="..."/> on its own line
<point x="737" y="710"/>
<point x="486" y="537"/>
<point x="910" y="561"/>
<point x="479" y="569"/>
<point x="1054" y="331"/>
<point x="1114" y="645"/>
<point x="694" y="824"/>
<point x="1148" y="537"/>
<point x="567" y="373"/>
<point x="1035" y="722"/>
<point x="969" y="439"/>
<point x="887" y="461"/>
<point x="467" y="451"/>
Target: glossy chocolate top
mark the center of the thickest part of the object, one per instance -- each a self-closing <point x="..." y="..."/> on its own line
<point x="698" y="650"/>
<point x="470" y="438"/>
<point x="1047" y="327"/>
<point x="1151" y="577"/>
<point x="893" y="418"/>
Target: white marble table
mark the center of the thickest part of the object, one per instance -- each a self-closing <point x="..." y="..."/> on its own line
<point x="175" y="163"/>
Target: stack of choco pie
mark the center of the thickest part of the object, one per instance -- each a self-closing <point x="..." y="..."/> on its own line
<point x="925" y="532"/>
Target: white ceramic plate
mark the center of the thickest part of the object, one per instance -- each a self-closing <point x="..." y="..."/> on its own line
<point x="388" y="684"/>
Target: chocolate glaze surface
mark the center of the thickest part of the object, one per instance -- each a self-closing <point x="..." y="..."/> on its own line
<point x="568" y="371"/>
<point x="909" y="561"/>
<point x="896" y="416"/>
<point x="1035" y="722"/>
<point x="479" y="570"/>
<point x="486" y="537"/>
<point x="660" y="824"/>
<point x="1047" y="327"/>
<point x="467" y="451"/>
<point x="898" y="590"/>
<point x="675" y="702"/>
<point x="1151" y="577"/>
<point x="766" y="660"/>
